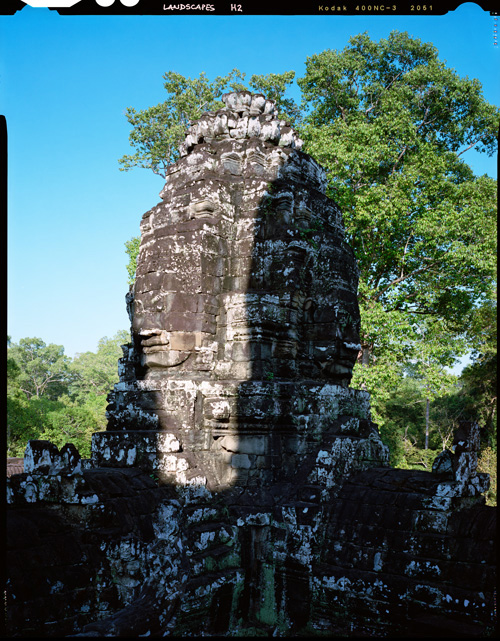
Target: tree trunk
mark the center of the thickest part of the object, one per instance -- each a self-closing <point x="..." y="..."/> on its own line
<point x="365" y="354"/>
<point x="427" y="403"/>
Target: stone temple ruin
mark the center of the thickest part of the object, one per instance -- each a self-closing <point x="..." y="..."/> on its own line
<point x="240" y="487"/>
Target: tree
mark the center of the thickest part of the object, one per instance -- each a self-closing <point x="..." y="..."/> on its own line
<point x="23" y="423"/>
<point x="132" y="250"/>
<point x="479" y="379"/>
<point x="487" y="463"/>
<point x="96" y="373"/>
<point x="42" y="370"/>
<point x="51" y="397"/>
<point x="274" y="87"/>
<point x="436" y="351"/>
<point x="13" y="373"/>
<point x="158" y="131"/>
<point x="67" y="422"/>
<point x="390" y="123"/>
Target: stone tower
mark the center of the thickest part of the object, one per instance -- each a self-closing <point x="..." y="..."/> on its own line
<point x="244" y="314"/>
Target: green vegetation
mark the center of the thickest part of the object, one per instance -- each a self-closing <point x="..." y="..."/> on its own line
<point x="391" y="123"/>
<point x="53" y="397"/>
<point x="132" y="250"/>
<point x="308" y="233"/>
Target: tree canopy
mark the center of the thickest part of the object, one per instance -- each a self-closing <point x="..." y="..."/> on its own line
<point x="40" y="369"/>
<point x="95" y="373"/>
<point x="53" y="397"/>
<point x="390" y="123"/>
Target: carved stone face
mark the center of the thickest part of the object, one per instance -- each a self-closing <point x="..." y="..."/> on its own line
<point x="244" y="312"/>
<point x="243" y="270"/>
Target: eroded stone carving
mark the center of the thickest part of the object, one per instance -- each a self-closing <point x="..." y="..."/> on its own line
<point x="245" y="296"/>
<point x="243" y="269"/>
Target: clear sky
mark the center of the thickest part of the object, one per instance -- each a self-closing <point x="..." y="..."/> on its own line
<point x="65" y="82"/>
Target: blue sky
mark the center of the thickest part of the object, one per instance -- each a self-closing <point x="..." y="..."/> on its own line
<point x="65" y="82"/>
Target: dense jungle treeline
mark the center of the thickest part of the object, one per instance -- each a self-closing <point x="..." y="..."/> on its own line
<point x="51" y="396"/>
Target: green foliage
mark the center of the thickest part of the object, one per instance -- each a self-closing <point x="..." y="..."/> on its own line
<point x="417" y="458"/>
<point x="479" y="379"/>
<point x="400" y="412"/>
<point x="487" y="463"/>
<point x="96" y="373"/>
<point x="446" y="412"/>
<point x="158" y="131"/>
<point x="42" y="418"/>
<point x="132" y="250"/>
<point x="274" y="86"/>
<point x="24" y="423"/>
<point x="67" y="422"/>
<point x="39" y="369"/>
<point x="309" y="233"/>
<point x="397" y="414"/>
<point x="389" y="122"/>
<point x="13" y="374"/>
<point x="72" y="395"/>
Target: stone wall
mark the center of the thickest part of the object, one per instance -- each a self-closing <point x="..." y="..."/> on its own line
<point x="110" y="552"/>
<point x="241" y="487"/>
<point x="404" y="556"/>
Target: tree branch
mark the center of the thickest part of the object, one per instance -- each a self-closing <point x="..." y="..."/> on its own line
<point x="404" y="254"/>
<point x="405" y="148"/>
<point x="470" y="146"/>
<point x="400" y="279"/>
<point x="394" y="79"/>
